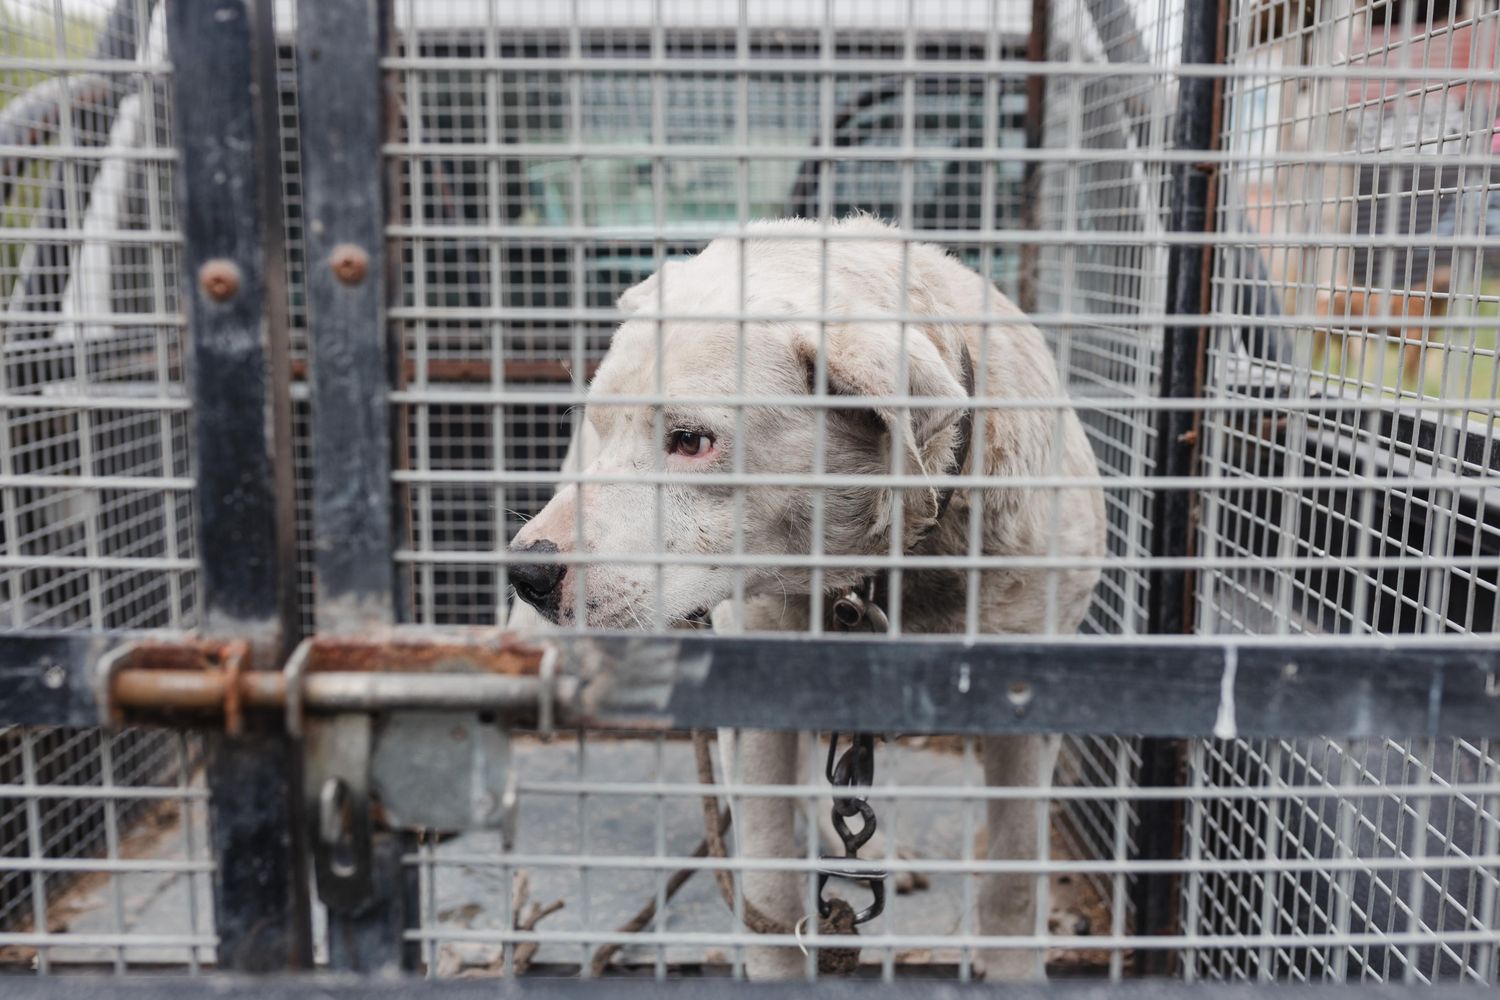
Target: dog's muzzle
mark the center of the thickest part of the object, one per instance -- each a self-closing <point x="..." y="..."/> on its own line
<point x="539" y="584"/>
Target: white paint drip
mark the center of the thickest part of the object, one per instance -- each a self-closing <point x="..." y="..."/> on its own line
<point x="1224" y="726"/>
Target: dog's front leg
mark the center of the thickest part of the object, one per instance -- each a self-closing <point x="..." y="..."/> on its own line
<point x="1008" y="902"/>
<point x="766" y="828"/>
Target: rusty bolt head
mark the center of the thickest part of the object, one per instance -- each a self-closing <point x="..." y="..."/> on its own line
<point x="219" y="279"/>
<point x="350" y="263"/>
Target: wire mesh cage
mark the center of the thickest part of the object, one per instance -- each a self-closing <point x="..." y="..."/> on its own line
<point x="97" y="516"/>
<point x="1248" y="242"/>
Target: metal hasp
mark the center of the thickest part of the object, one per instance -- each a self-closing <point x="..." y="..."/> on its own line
<point x="187" y="682"/>
<point x="234" y="289"/>
<point x="400" y="732"/>
<point x="375" y="777"/>
<point x="1174" y="520"/>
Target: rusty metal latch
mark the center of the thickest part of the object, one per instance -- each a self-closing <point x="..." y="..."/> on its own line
<point x="202" y="681"/>
<point x="402" y="730"/>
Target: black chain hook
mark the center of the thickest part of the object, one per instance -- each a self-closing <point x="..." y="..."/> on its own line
<point x="855" y="769"/>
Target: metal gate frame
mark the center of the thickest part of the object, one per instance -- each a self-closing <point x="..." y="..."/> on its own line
<point x="246" y="673"/>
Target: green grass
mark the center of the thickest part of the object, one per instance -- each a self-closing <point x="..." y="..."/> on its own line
<point x="27" y="33"/>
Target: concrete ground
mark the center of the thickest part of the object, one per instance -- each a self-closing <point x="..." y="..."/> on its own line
<point x="475" y="896"/>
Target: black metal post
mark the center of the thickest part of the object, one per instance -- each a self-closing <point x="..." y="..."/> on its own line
<point x="1169" y="606"/>
<point x="234" y="290"/>
<point x="1036" y="97"/>
<point x="342" y="115"/>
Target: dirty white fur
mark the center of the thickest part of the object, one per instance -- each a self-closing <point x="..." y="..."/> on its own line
<point x="785" y="278"/>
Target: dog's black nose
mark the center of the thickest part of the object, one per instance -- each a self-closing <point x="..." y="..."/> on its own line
<point x="536" y="582"/>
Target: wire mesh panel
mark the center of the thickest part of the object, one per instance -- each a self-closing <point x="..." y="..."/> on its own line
<point x="1353" y="473"/>
<point x="1116" y="289"/>
<point x="760" y="268"/>
<point x="98" y="519"/>
<point x="1108" y="298"/>
<point x="515" y="247"/>
<point x="550" y="160"/>
<point x="103" y="857"/>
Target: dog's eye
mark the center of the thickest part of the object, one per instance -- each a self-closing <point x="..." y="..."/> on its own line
<point x="689" y="444"/>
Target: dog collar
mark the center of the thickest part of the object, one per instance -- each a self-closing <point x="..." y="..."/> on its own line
<point x="863" y="605"/>
<point x="965" y="432"/>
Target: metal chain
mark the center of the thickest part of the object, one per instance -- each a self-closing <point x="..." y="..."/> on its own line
<point x="855" y="769"/>
<point x="853" y="611"/>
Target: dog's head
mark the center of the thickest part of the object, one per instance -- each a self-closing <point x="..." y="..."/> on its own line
<point x="613" y="526"/>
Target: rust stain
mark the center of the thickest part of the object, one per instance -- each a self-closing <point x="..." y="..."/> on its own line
<point x="204" y="676"/>
<point x="158" y="690"/>
<point x="236" y="656"/>
<point x="479" y="370"/>
<point x="174" y="656"/>
<point x="486" y="652"/>
<point x="193" y="675"/>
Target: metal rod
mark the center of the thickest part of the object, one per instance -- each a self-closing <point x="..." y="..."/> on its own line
<point x="1064" y="237"/>
<point x="1169" y="605"/>
<point x="338" y="692"/>
<point x="898" y="153"/>
<point x="1017" y="68"/>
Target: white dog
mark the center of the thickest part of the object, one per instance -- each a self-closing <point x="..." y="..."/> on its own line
<point x="787" y="275"/>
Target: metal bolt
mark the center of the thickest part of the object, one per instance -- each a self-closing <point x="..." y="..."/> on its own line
<point x="350" y="263"/>
<point x="219" y="279"/>
<point x="54" y="677"/>
<point x="1019" y="694"/>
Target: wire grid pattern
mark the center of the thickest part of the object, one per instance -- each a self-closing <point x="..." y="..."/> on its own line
<point x="544" y="174"/>
<point x="1405" y="317"/>
<point x="515" y="245"/>
<point x="104" y="861"/>
<point x="96" y="516"/>
<point x="490" y="296"/>
<point x="1114" y="352"/>
<point x="606" y="818"/>
<point x="97" y="525"/>
<point x="296" y="286"/>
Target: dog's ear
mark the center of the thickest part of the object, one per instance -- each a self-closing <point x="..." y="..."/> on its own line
<point x="865" y="359"/>
<point x="642" y="296"/>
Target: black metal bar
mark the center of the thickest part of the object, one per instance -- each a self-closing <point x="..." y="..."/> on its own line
<point x="917" y="988"/>
<point x="1169" y="605"/>
<point x="1176" y="689"/>
<point x="1186" y="687"/>
<point x="342" y="118"/>
<point x="343" y="122"/>
<point x="234" y="284"/>
<point x="1036" y="97"/>
<point x="46" y="679"/>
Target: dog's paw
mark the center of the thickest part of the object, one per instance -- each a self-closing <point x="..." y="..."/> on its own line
<point x="1008" y="967"/>
<point x="909" y="881"/>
